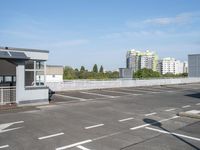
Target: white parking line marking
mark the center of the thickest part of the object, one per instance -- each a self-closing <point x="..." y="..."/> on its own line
<point x="97" y="94"/>
<point x="172" y="133"/>
<point x="138" y="127"/>
<point x="134" y="90"/>
<point x="118" y="92"/>
<point x="105" y="136"/>
<point x="150" y="114"/>
<point x="198" y="104"/>
<point x="10" y="129"/>
<point x="148" y="124"/>
<point x="170" y="109"/>
<point x="126" y="119"/>
<point x="186" y="106"/>
<point x="72" y="97"/>
<point x="83" y="148"/>
<point x="50" y="136"/>
<point x="74" y="145"/>
<point x="94" y="126"/>
<point x="4" y="146"/>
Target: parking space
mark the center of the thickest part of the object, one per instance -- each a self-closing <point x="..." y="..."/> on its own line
<point x="107" y="119"/>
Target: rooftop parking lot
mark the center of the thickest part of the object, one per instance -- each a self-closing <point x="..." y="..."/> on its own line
<point x="108" y="119"/>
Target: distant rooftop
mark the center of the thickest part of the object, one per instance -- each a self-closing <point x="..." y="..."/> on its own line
<point x="23" y="49"/>
<point x="55" y="66"/>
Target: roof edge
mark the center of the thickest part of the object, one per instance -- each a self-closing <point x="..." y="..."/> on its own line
<point x="55" y="66"/>
<point x="24" y="49"/>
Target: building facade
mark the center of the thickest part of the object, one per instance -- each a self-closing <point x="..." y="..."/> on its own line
<point x="139" y="60"/>
<point x="194" y="65"/>
<point x="19" y="68"/>
<point x="54" y="73"/>
<point x="171" y="65"/>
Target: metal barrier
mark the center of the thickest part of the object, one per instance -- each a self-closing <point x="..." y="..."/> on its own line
<point x="7" y="95"/>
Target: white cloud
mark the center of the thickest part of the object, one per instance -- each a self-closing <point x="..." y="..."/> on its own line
<point x="178" y="19"/>
<point x="182" y="18"/>
<point x="126" y="34"/>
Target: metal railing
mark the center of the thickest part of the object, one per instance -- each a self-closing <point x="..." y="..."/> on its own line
<point x="7" y="95"/>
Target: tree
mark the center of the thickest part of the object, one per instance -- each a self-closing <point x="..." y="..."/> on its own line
<point x="69" y="73"/>
<point x="82" y="68"/>
<point x="95" y="68"/>
<point x="146" y="73"/>
<point x="101" y="69"/>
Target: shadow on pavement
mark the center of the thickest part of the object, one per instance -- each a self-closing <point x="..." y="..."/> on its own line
<point x="158" y="124"/>
<point x="195" y="95"/>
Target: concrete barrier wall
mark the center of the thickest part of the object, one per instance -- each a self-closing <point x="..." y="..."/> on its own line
<point x="99" y="84"/>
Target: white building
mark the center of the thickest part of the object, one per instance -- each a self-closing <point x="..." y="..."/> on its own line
<point x="171" y="65"/>
<point x="19" y="68"/>
<point x="54" y="73"/>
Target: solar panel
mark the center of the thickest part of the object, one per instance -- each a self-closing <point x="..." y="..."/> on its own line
<point x="18" y="55"/>
<point x="13" y="55"/>
<point x="4" y="54"/>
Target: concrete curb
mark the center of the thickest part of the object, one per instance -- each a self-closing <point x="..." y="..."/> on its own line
<point x="190" y="115"/>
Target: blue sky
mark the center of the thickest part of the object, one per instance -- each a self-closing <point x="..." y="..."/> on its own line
<point x="85" y="32"/>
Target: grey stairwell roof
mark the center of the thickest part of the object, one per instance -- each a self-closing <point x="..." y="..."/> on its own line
<point x="13" y="55"/>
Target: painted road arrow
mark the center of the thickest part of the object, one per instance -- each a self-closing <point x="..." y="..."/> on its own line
<point x="6" y="125"/>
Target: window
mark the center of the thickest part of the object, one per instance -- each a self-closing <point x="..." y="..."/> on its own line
<point x="39" y="65"/>
<point x="8" y="78"/>
<point x="34" y="73"/>
<point x="29" y="64"/>
<point x="1" y="79"/>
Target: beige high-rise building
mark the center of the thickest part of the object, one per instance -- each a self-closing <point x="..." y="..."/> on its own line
<point x="139" y="60"/>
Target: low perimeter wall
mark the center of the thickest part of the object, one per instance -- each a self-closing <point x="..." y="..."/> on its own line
<point x="99" y="84"/>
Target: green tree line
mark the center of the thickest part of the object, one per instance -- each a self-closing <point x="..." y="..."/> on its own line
<point x="82" y="73"/>
<point x="149" y="73"/>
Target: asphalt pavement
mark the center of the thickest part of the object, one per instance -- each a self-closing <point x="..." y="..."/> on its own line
<point x="129" y="118"/>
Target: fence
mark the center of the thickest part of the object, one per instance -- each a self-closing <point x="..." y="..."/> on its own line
<point x="98" y="84"/>
<point x="7" y="95"/>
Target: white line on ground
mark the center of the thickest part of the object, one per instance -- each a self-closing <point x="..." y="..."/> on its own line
<point x="150" y="114"/>
<point x="6" y="125"/>
<point x="170" y="109"/>
<point x="72" y="97"/>
<point x="126" y="119"/>
<point x="94" y="126"/>
<point x="97" y="94"/>
<point x="105" y="136"/>
<point x="135" y="90"/>
<point x="186" y="106"/>
<point x="172" y="133"/>
<point x="74" y="145"/>
<point x="151" y="90"/>
<point x="118" y="92"/>
<point x="4" y="146"/>
<point x="198" y="104"/>
<point x="138" y="127"/>
<point x="50" y="136"/>
<point x="2" y="131"/>
<point x="83" y="148"/>
<point x="145" y="125"/>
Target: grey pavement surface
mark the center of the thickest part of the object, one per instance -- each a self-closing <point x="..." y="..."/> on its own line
<point x="135" y="118"/>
